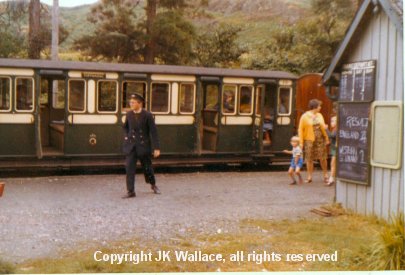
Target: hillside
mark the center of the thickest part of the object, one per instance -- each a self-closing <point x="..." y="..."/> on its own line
<point x="255" y="17"/>
<point x="261" y="23"/>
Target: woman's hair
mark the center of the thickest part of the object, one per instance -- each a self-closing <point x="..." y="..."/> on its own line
<point x="314" y="103"/>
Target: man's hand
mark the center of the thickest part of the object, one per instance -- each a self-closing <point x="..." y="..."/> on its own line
<point x="156" y="153"/>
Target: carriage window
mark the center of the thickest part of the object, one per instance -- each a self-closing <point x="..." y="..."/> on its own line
<point x="24" y="94"/>
<point x="130" y="88"/>
<point x="284" y="101"/>
<point x="245" y="100"/>
<point x="58" y="94"/>
<point x="160" y="98"/>
<point x="107" y="96"/>
<point x="229" y="99"/>
<point x="77" y="95"/>
<point x="259" y="100"/>
<point x="187" y="95"/>
<point x="5" y="94"/>
<point x="211" y="97"/>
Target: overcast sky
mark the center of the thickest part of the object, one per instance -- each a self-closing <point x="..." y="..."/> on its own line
<point x="70" y="3"/>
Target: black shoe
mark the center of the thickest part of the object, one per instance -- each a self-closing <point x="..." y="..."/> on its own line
<point x="155" y="189"/>
<point x="129" y="195"/>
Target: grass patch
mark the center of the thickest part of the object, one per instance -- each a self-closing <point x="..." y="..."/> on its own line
<point x="6" y="268"/>
<point x="350" y="235"/>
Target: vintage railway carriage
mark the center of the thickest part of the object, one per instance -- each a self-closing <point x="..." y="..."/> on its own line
<point x="67" y="111"/>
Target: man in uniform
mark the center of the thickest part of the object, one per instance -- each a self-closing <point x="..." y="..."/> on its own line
<point x="140" y="138"/>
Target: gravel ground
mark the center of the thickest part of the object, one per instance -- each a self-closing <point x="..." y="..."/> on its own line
<point x="45" y="216"/>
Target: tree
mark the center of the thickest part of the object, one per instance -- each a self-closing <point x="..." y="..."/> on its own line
<point x="218" y="47"/>
<point x="151" y="10"/>
<point x="43" y="39"/>
<point x="45" y="42"/>
<point x="309" y="44"/>
<point x="162" y="36"/>
<point x="172" y="38"/>
<point x="12" y="42"/>
<point x="161" y="32"/>
<point x="34" y="34"/>
<point x="10" y="45"/>
<point x="116" y="36"/>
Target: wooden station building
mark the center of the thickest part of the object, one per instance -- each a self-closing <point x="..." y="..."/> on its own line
<point x="368" y="69"/>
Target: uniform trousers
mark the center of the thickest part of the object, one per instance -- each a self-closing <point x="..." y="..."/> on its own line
<point x="130" y="167"/>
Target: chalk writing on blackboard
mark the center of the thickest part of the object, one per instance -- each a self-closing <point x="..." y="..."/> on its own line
<point x="346" y="86"/>
<point x="357" y="81"/>
<point x="353" y="144"/>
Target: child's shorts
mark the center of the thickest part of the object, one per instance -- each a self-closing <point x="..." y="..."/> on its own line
<point x="299" y="164"/>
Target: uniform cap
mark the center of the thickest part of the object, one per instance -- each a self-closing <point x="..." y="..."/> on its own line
<point x="138" y="97"/>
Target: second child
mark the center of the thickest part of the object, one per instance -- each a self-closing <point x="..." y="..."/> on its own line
<point x="332" y="137"/>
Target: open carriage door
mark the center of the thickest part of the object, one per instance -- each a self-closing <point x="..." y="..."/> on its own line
<point x="258" y="119"/>
<point x="49" y="115"/>
<point x="37" y="116"/>
<point x="210" y="113"/>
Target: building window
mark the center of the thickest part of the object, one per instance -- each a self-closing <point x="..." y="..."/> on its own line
<point x="284" y="101"/>
<point x="24" y="94"/>
<point x="160" y="98"/>
<point x="229" y="99"/>
<point x="77" y="96"/>
<point x="246" y="100"/>
<point x="5" y="94"/>
<point x="107" y="96"/>
<point x="187" y="98"/>
<point x="58" y="94"/>
<point x="130" y="88"/>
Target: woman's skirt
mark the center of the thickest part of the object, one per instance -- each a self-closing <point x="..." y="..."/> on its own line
<point x="315" y="150"/>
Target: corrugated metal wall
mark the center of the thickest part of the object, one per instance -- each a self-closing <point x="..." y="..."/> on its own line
<point x="385" y="195"/>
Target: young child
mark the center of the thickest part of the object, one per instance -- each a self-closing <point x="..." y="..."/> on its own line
<point x="332" y="137"/>
<point x="296" y="161"/>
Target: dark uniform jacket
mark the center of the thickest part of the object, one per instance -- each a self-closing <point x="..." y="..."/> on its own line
<point x="141" y="133"/>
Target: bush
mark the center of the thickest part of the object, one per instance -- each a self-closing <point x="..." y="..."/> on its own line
<point x="387" y="253"/>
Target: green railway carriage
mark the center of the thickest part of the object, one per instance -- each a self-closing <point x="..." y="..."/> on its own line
<point x="57" y="113"/>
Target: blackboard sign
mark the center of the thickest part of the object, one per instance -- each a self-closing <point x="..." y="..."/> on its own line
<point x="353" y="143"/>
<point x="357" y="82"/>
<point x="346" y="86"/>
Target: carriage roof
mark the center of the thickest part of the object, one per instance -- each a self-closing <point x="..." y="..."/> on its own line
<point x="141" y="68"/>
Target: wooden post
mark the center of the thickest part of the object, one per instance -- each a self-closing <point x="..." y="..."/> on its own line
<point x="55" y="30"/>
